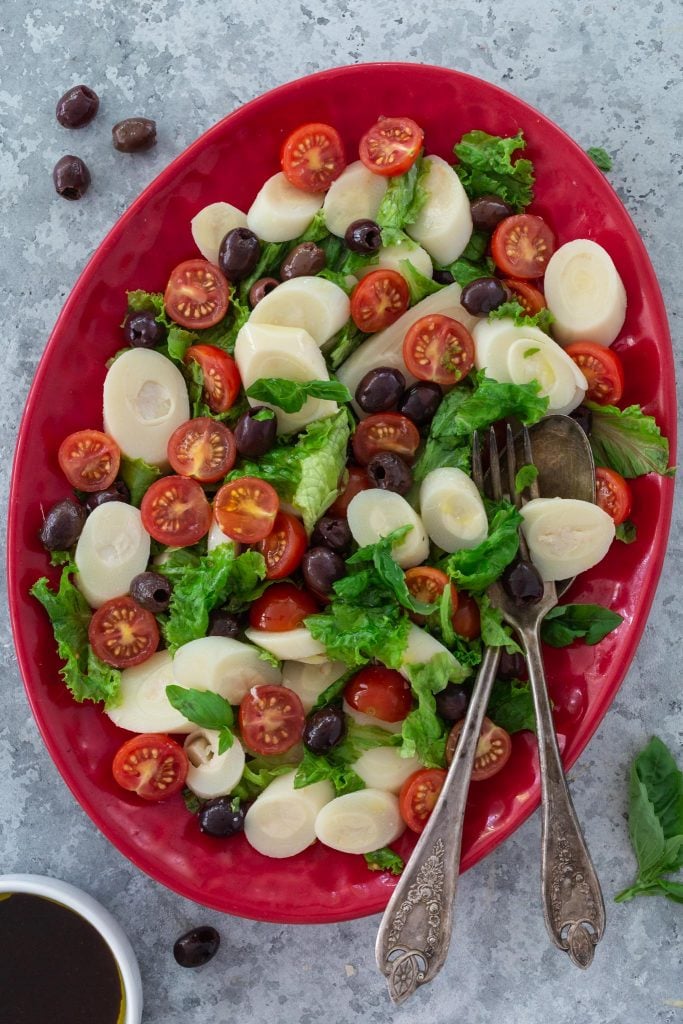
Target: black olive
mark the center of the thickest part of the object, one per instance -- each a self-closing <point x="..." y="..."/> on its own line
<point x="152" y="591"/>
<point x="304" y="260"/>
<point x="321" y="568"/>
<point x="219" y="818"/>
<point x="63" y="525"/>
<point x="197" y="947"/>
<point x="389" y="472"/>
<point x="363" y="236"/>
<point x="134" y="134"/>
<point x="259" y="289"/>
<point x="333" y="534"/>
<point x="239" y="253"/>
<point x="117" y="492"/>
<point x="222" y="623"/>
<point x="488" y="211"/>
<point x="256" y="432"/>
<point x="511" y="666"/>
<point x="420" y="403"/>
<point x="71" y="177"/>
<point x="452" y="702"/>
<point x="77" y="107"/>
<point x="380" y="389"/>
<point x="584" y="417"/>
<point x="523" y="582"/>
<point x="324" y="729"/>
<point x="141" y="330"/>
<point x="443" y="277"/>
<point x="479" y="297"/>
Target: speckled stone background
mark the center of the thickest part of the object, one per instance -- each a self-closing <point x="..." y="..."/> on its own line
<point x="608" y="73"/>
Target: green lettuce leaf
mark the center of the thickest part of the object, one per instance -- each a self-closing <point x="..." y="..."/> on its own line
<point x="475" y="569"/>
<point x="626" y="532"/>
<point x="628" y="441"/>
<point x="140" y="301"/>
<point x="257" y="775"/>
<point x="569" y="622"/>
<point x="511" y="705"/>
<point x="356" y="633"/>
<point x="389" y="572"/>
<point x="343" y="344"/>
<point x="419" y="286"/>
<point x="291" y="395"/>
<point x="473" y="262"/>
<point x="336" y="766"/>
<point x="423" y="732"/>
<point x="138" y="476"/>
<point x="333" y="693"/>
<point x="194" y="378"/>
<point x="485" y="166"/>
<point x="600" y="157"/>
<point x="515" y="311"/>
<point x="404" y="198"/>
<point x="524" y="477"/>
<point x="495" y="632"/>
<point x="385" y="860"/>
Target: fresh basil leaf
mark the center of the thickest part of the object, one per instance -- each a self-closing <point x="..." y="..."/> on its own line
<point x="525" y="477"/>
<point x="423" y="732"/>
<point x="476" y="568"/>
<point x="672" y="890"/>
<point x="568" y="622"/>
<point x="646" y="831"/>
<point x="494" y="632"/>
<point x="513" y="310"/>
<point x="656" y="768"/>
<point x="485" y="166"/>
<point x="385" y="860"/>
<point x="626" y="532"/>
<point x="511" y="706"/>
<point x="138" y="476"/>
<point x="600" y="157"/>
<point x="204" y="708"/>
<point x="419" y="286"/>
<point x="291" y="395"/>
<point x="628" y="441"/>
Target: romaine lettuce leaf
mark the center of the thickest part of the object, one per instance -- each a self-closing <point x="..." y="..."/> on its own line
<point x="485" y="166"/>
<point x="419" y="286"/>
<point x="628" y="441"/>
<point x="404" y="198"/>
<point x="423" y="732"/>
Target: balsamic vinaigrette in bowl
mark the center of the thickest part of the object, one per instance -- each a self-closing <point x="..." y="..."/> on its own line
<point x="54" y="965"/>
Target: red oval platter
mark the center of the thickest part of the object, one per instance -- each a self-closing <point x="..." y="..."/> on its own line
<point x="230" y="162"/>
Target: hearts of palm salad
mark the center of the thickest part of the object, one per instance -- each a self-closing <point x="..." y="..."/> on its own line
<point x="274" y="547"/>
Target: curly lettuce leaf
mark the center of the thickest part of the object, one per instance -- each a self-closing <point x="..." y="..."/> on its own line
<point x="404" y="198"/>
<point x="629" y="441"/>
<point x="385" y="860"/>
<point x="423" y="732"/>
<point x="516" y="312"/>
<point x="476" y="568"/>
<point x="485" y="166"/>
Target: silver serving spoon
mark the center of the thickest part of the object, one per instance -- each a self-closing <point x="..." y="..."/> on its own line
<point x="415" y="931"/>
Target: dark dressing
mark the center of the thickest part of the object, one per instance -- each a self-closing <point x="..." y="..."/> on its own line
<point x="54" y="966"/>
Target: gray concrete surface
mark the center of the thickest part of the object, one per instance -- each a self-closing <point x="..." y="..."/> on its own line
<point x="610" y="74"/>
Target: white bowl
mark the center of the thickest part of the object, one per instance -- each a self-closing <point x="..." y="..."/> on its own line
<point x="110" y="930"/>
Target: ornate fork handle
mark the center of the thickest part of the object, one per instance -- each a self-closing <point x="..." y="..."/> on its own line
<point x="415" y="932"/>
<point x="572" y="899"/>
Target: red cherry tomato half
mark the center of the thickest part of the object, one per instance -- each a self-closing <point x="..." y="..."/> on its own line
<point x="418" y="796"/>
<point x="428" y="584"/>
<point x="151" y="765"/>
<point x="245" y="509"/>
<point x="221" y="376"/>
<point x="378" y="300"/>
<point x="284" y="546"/>
<point x="380" y="692"/>
<point x="122" y="634"/>
<point x="602" y="369"/>
<point x="203" y="449"/>
<point x="197" y="294"/>
<point x="493" y="749"/>
<point x="438" y="348"/>
<point x="613" y="493"/>
<point x="385" y="432"/>
<point x="312" y="157"/>
<point x="522" y="245"/>
<point x="466" y="620"/>
<point x="391" y="146"/>
<point x="282" y="607"/>
<point x="89" y="460"/>
<point x="530" y="298"/>
<point x="358" y="481"/>
<point x="175" y="511"/>
<point x="271" y="719"/>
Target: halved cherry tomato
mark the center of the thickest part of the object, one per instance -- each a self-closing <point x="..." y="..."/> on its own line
<point x="197" y="294"/>
<point x="380" y="692"/>
<point x="121" y="633"/>
<point x="438" y="348"/>
<point x="613" y="493"/>
<point x="245" y="509"/>
<point x="522" y="245"/>
<point x="151" y="765"/>
<point x="271" y="719"/>
<point x="203" y="449"/>
<point x="493" y="749"/>
<point x="466" y="620"/>
<point x="385" y="432"/>
<point x="391" y="146"/>
<point x="284" y="546"/>
<point x="418" y="796"/>
<point x="89" y="460"/>
<point x="282" y="607"/>
<point x="378" y="300"/>
<point x="312" y="157"/>
<point x="427" y="584"/>
<point x="358" y="481"/>
<point x="175" y="511"/>
<point x="530" y="298"/>
<point x="221" y="376"/>
<point x="602" y="369"/>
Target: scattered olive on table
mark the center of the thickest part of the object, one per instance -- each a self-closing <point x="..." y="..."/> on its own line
<point x="389" y="472"/>
<point x="451" y="702"/>
<point x="488" y="211"/>
<point x="483" y="295"/>
<point x="324" y="729"/>
<point x="239" y="253"/>
<point x="380" y="389"/>
<point x="522" y="581"/>
<point x="221" y="817"/>
<point x="443" y="277"/>
<point x="256" y="432"/>
<point x="71" y="177"/>
<point x="63" y="525"/>
<point x="134" y="134"/>
<point x="304" y="260"/>
<point x="332" y="533"/>
<point x="117" y="492"/>
<point x="77" y="107"/>
<point x="151" y="591"/>
<point x="196" y="947"/>
<point x="321" y="569"/>
<point x="222" y="623"/>
<point x="363" y="236"/>
<point x="420" y="403"/>
<point x="141" y="330"/>
<point x="259" y="289"/>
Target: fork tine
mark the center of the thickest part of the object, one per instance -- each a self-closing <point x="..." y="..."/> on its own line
<point x="529" y="459"/>
<point x="510" y="459"/>
<point x="477" y="471"/>
<point x="494" y="468"/>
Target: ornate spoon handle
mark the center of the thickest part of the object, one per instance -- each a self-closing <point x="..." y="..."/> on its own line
<point x="415" y="932"/>
<point x="573" y="906"/>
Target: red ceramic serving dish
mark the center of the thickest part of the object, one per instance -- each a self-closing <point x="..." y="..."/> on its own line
<point x="230" y="162"/>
